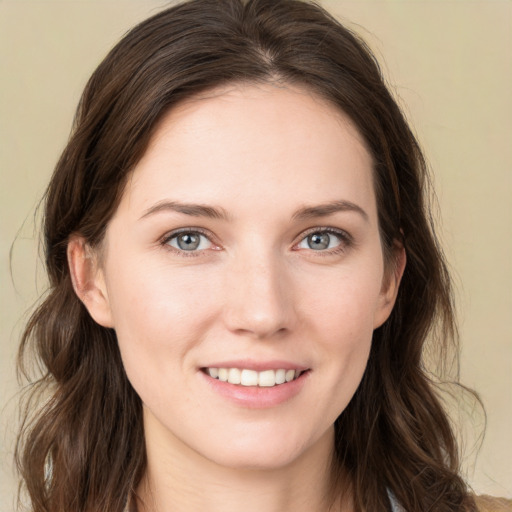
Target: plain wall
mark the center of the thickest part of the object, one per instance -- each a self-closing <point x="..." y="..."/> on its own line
<point x="449" y="62"/>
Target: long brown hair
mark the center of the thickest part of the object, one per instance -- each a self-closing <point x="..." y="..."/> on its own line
<point x="83" y="448"/>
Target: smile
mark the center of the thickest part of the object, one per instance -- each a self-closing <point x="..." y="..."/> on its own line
<point x="246" y="377"/>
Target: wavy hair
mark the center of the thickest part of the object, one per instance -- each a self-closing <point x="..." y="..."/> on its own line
<point x="83" y="448"/>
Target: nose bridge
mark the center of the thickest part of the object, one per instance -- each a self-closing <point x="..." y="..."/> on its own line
<point x="258" y="293"/>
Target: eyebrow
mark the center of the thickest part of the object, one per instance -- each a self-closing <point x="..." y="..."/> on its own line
<point x="212" y="212"/>
<point x="323" y="210"/>
<point x="192" y="209"/>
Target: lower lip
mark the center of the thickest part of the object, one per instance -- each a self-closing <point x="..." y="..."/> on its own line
<point x="254" y="397"/>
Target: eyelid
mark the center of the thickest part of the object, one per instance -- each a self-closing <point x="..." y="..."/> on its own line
<point x="164" y="240"/>
<point x="346" y="239"/>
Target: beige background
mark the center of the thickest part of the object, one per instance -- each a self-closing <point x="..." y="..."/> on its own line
<point x="450" y="65"/>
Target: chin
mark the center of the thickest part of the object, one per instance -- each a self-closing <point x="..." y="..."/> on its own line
<point x="265" y="454"/>
<point x="256" y="460"/>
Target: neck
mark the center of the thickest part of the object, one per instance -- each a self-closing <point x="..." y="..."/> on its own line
<point x="179" y="479"/>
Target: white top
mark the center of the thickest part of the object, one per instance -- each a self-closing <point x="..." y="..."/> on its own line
<point x="395" y="506"/>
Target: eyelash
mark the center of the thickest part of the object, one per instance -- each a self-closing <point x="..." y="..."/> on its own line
<point x="346" y="240"/>
<point x="190" y="231"/>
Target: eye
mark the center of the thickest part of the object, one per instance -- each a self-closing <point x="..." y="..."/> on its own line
<point x="324" y="240"/>
<point x="189" y="241"/>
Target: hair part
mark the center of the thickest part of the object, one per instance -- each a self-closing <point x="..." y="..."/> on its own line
<point x="394" y="435"/>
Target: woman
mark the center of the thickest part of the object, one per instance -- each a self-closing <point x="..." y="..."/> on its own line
<point x="243" y="277"/>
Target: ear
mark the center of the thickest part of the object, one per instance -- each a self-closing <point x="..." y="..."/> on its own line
<point x="390" y="285"/>
<point x="88" y="280"/>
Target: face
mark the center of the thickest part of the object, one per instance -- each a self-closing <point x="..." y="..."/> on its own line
<point x="246" y="247"/>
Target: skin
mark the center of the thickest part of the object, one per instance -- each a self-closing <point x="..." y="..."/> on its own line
<point x="254" y="289"/>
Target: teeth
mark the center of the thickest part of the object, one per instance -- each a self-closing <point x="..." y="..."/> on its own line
<point x="234" y="376"/>
<point x="267" y="378"/>
<point x="244" y="377"/>
<point x="281" y="376"/>
<point x="249" y="378"/>
<point x="290" y="375"/>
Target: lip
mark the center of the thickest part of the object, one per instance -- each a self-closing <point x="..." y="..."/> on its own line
<point x="258" y="366"/>
<point x="253" y="397"/>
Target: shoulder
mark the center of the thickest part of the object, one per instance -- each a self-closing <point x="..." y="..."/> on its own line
<point x="491" y="504"/>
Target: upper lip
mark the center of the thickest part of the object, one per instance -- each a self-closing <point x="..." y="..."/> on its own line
<point x="259" y="366"/>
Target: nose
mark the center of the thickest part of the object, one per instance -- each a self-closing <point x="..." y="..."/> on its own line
<point x="259" y="297"/>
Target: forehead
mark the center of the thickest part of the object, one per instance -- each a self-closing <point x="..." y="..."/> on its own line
<point x="256" y="143"/>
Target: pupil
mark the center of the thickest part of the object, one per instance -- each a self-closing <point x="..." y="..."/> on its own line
<point x="319" y="241"/>
<point x="188" y="242"/>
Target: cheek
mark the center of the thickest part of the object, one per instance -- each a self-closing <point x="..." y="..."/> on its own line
<point x="159" y="315"/>
<point x="346" y="326"/>
<point x="344" y="302"/>
<point x="340" y="318"/>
